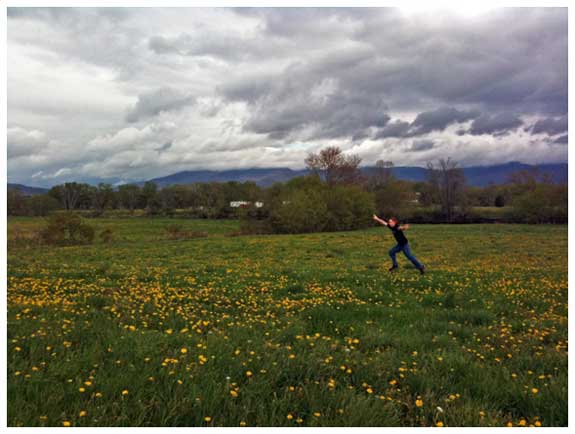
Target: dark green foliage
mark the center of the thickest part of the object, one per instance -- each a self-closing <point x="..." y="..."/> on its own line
<point x="66" y="228"/>
<point x="107" y="235"/>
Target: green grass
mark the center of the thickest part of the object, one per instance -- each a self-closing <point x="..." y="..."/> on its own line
<point x="329" y="336"/>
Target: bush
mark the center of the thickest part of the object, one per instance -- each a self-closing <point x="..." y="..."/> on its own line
<point x="177" y="232"/>
<point x="309" y="205"/>
<point x="107" y="235"/>
<point x="66" y="228"/>
<point x="543" y="204"/>
<point x="300" y="211"/>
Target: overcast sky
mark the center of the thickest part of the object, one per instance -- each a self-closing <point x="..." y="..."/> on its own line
<point x="125" y="94"/>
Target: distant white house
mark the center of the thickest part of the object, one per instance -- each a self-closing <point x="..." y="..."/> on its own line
<point x="243" y="204"/>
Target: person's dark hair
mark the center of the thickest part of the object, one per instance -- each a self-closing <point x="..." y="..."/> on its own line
<point x="393" y="218"/>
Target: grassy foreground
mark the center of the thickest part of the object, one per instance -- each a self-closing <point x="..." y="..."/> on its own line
<point x="295" y="330"/>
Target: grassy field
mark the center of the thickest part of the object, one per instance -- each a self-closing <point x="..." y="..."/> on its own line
<point x="294" y="330"/>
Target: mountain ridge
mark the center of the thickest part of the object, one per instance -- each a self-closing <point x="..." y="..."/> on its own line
<point x="478" y="176"/>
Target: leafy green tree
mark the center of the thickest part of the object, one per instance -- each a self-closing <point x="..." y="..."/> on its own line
<point x="42" y="204"/>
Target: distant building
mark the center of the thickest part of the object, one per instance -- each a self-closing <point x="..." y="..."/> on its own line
<point x="244" y="204"/>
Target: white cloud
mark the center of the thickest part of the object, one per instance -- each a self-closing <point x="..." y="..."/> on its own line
<point x="100" y="93"/>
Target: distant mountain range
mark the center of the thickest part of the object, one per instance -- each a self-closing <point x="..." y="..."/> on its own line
<point x="27" y="190"/>
<point x="478" y="176"/>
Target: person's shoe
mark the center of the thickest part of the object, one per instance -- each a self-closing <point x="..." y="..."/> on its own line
<point x="394" y="267"/>
<point x="422" y="270"/>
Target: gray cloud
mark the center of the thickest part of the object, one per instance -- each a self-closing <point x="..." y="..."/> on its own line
<point x="164" y="147"/>
<point x="157" y="101"/>
<point x="421" y="145"/>
<point x="104" y="88"/>
<point x="495" y="124"/>
<point x="561" y="140"/>
<point x="396" y="128"/>
<point x="439" y="119"/>
<point x="551" y="126"/>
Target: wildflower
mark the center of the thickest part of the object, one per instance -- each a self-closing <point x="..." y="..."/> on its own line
<point x="83" y="413"/>
<point x="534" y="390"/>
<point x="317" y="414"/>
<point x="289" y="416"/>
<point x="249" y="373"/>
<point x="242" y="423"/>
<point x="419" y="403"/>
<point x="184" y="350"/>
<point x="208" y="419"/>
<point x="234" y="393"/>
<point x="439" y="423"/>
<point x="66" y="423"/>
<point x="82" y="390"/>
<point x="125" y="392"/>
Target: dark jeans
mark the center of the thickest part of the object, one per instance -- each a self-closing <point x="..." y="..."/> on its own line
<point x="407" y="252"/>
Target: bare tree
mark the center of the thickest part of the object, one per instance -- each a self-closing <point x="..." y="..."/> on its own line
<point x="383" y="173"/>
<point x="129" y="195"/>
<point x="68" y="194"/>
<point x="448" y="182"/>
<point x="335" y="167"/>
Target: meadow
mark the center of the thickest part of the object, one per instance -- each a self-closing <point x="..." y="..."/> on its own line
<point x="288" y="330"/>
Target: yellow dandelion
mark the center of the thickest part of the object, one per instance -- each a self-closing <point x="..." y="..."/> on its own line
<point x="125" y="392"/>
<point x="66" y="423"/>
<point x="418" y="403"/>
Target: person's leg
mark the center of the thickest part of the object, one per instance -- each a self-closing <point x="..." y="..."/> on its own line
<point x="413" y="259"/>
<point x="394" y="251"/>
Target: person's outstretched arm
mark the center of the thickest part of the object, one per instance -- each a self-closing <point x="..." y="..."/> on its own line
<point x="380" y="221"/>
<point x="404" y="227"/>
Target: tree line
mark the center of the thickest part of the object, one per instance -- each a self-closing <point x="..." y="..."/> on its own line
<point x="335" y="195"/>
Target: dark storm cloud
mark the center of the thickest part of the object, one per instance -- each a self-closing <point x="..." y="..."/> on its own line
<point x="160" y="100"/>
<point x="427" y="122"/>
<point x="498" y="124"/>
<point x="396" y="128"/>
<point x="493" y="66"/>
<point x="439" y="119"/>
<point x="551" y="126"/>
<point x="561" y="140"/>
<point x="421" y="145"/>
<point x="308" y="97"/>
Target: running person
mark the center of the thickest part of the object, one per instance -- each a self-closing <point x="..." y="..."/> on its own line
<point x="402" y="243"/>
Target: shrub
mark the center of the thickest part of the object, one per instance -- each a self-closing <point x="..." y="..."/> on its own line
<point x="301" y="211"/>
<point x="177" y="232"/>
<point x="107" y="235"/>
<point x="66" y="228"/>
